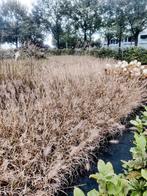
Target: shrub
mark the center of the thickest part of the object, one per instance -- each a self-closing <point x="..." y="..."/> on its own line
<point x="100" y="53"/>
<point x="58" y="52"/>
<point x="132" y="69"/>
<point x="7" y="54"/>
<point x="134" y="53"/>
<point x="25" y="53"/>
<point x="32" y="51"/>
<point x="129" y="54"/>
<point x="104" y="53"/>
<point x="134" y="180"/>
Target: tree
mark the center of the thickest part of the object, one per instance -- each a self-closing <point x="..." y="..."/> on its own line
<point x="86" y="17"/>
<point x="51" y="16"/>
<point x="108" y="20"/>
<point x="2" y="27"/>
<point x="137" y="17"/>
<point x="114" y="17"/>
<point x="120" y="19"/>
<point x="18" y="26"/>
<point x="13" y="15"/>
<point x="31" y="31"/>
<point x="69" y="38"/>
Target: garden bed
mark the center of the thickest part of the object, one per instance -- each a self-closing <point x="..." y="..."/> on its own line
<point x="54" y="115"/>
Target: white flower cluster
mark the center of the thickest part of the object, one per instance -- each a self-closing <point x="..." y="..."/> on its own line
<point x="134" y="68"/>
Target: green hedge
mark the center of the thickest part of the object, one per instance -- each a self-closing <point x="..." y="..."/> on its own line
<point x="135" y="53"/>
<point x="58" y="52"/>
<point x="100" y="53"/>
<point x="128" y="54"/>
<point x="103" y="53"/>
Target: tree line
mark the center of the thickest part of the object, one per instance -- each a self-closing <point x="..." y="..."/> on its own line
<point x="72" y="23"/>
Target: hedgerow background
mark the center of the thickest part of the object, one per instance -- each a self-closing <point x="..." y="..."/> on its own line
<point x="128" y="54"/>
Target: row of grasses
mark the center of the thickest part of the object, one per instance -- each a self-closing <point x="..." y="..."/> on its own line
<point x="53" y="114"/>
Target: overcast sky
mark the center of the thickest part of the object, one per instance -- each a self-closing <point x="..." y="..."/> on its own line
<point x="27" y="2"/>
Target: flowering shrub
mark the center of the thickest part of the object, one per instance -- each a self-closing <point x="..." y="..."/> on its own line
<point x="133" y="69"/>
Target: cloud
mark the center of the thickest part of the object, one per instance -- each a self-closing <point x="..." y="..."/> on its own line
<point x="27" y="3"/>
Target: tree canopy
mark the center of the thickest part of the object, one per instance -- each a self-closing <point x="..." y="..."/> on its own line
<point x="71" y="23"/>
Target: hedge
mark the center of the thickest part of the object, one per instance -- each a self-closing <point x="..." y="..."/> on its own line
<point x="128" y="54"/>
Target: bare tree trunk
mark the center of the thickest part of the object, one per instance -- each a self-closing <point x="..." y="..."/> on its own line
<point x="66" y="45"/>
<point x="85" y="36"/>
<point x="108" y="42"/>
<point x="16" y="42"/>
<point x="58" y="41"/>
<point x="108" y="37"/>
<point x="135" y="35"/>
<point x="120" y="39"/>
<point x="90" y="38"/>
<point x="136" y="40"/>
<point x="119" y="42"/>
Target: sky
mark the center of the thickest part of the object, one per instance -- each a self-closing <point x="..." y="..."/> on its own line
<point x="27" y="3"/>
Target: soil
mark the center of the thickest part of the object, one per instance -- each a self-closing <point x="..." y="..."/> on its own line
<point x="113" y="153"/>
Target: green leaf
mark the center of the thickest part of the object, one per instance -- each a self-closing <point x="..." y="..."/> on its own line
<point x="78" y="192"/>
<point x="134" y="193"/>
<point x="95" y="176"/>
<point x="145" y="193"/>
<point x="144" y="173"/>
<point x="145" y="107"/>
<point x="140" y="141"/>
<point x="145" y="114"/>
<point x="134" y="122"/>
<point x="101" y="166"/>
<point x="105" y="169"/>
<point x="93" y="193"/>
<point x="145" y="123"/>
<point x="138" y="119"/>
<point x="114" y="180"/>
<point x="112" y="189"/>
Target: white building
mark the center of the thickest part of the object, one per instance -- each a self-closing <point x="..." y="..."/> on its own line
<point x="142" y="39"/>
<point x="127" y="42"/>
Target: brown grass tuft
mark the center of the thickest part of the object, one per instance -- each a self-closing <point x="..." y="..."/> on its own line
<point x="53" y="113"/>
